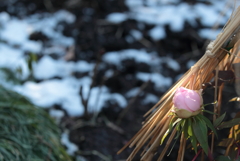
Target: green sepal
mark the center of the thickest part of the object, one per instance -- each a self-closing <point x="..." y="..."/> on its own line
<point x="209" y="104"/>
<point x="210" y="112"/>
<point x="179" y="128"/>
<point x="173" y="123"/>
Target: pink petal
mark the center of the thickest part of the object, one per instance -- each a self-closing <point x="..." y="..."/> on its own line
<point x="178" y="101"/>
<point x="193" y="100"/>
<point x="182" y="89"/>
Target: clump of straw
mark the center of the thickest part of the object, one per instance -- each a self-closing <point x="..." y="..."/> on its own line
<point x="220" y="55"/>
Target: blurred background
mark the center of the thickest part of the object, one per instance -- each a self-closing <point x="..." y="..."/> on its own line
<point x="96" y="66"/>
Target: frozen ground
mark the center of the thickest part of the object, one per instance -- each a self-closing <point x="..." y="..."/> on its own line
<point x="57" y="84"/>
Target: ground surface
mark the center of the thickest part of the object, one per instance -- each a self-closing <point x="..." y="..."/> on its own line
<point x="100" y="136"/>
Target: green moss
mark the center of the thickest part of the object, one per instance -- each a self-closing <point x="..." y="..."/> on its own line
<point x="27" y="133"/>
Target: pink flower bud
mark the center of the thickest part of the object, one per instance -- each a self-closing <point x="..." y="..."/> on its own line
<point x="187" y="102"/>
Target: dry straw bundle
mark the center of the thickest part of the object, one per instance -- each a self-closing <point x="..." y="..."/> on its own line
<point x="219" y="56"/>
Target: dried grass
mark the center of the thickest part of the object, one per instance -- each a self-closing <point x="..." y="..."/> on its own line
<point x="220" y="55"/>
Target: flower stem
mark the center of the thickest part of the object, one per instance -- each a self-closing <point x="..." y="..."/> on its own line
<point x="195" y="157"/>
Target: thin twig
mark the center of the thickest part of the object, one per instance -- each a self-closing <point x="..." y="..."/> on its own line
<point x="215" y="105"/>
<point x="93" y="78"/>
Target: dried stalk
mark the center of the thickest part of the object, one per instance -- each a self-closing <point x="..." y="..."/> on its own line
<point x="157" y="120"/>
<point x="181" y="150"/>
<point x="167" y="145"/>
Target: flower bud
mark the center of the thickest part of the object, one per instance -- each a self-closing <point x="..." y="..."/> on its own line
<point x="187" y="102"/>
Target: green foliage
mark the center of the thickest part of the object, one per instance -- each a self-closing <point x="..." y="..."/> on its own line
<point x="14" y="75"/>
<point x="32" y="58"/>
<point x="229" y="124"/>
<point x="219" y="120"/>
<point x="223" y="158"/>
<point x="200" y="131"/>
<point x="208" y="123"/>
<point x="11" y="75"/>
<point x="27" y="133"/>
<point x="173" y="122"/>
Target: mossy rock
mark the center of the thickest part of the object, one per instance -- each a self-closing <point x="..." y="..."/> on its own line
<point x="27" y="133"/>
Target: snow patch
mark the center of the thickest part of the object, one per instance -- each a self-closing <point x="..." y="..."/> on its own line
<point x="138" y="55"/>
<point x="190" y="63"/>
<point x="132" y="92"/>
<point x="173" y="64"/>
<point x="165" y="13"/>
<point x="117" y="17"/>
<point x="161" y="82"/>
<point x="150" y="98"/>
<point x="157" y="33"/>
<point x="136" y="34"/>
<point x="209" y="33"/>
<point x="71" y="148"/>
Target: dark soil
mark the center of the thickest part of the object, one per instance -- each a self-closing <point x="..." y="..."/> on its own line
<point x="100" y="136"/>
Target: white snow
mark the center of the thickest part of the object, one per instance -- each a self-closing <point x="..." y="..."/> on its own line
<point x="48" y="67"/>
<point x="122" y="102"/>
<point x="174" y="14"/>
<point x="117" y="17"/>
<point x="10" y="57"/>
<point x="157" y="33"/>
<point x="65" y="91"/>
<point x="13" y="59"/>
<point x="56" y="114"/>
<point x="150" y="98"/>
<point x="132" y="92"/>
<point x="158" y="15"/>
<point x="160" y="12"/>
<point x="136" y="34"/>
<point x="4" y="17"/>
<point x="83" y="66"/>
<point x="99" y="95"/>
<point x="80" y="158"/>
<point x="208" y="15"/>
<point x="15" y="32"/>
<point x="109" y="73"/>
<point x="173" y="64"/>
<point x="190" y="63"/>
<point x="133" y="3"/>
<point x="161" y="82"/>
<point x="71" y="148"/>
<point x="209" y="33"/>
<point x="129" y="39"/>
<point x="116" y="57"/>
